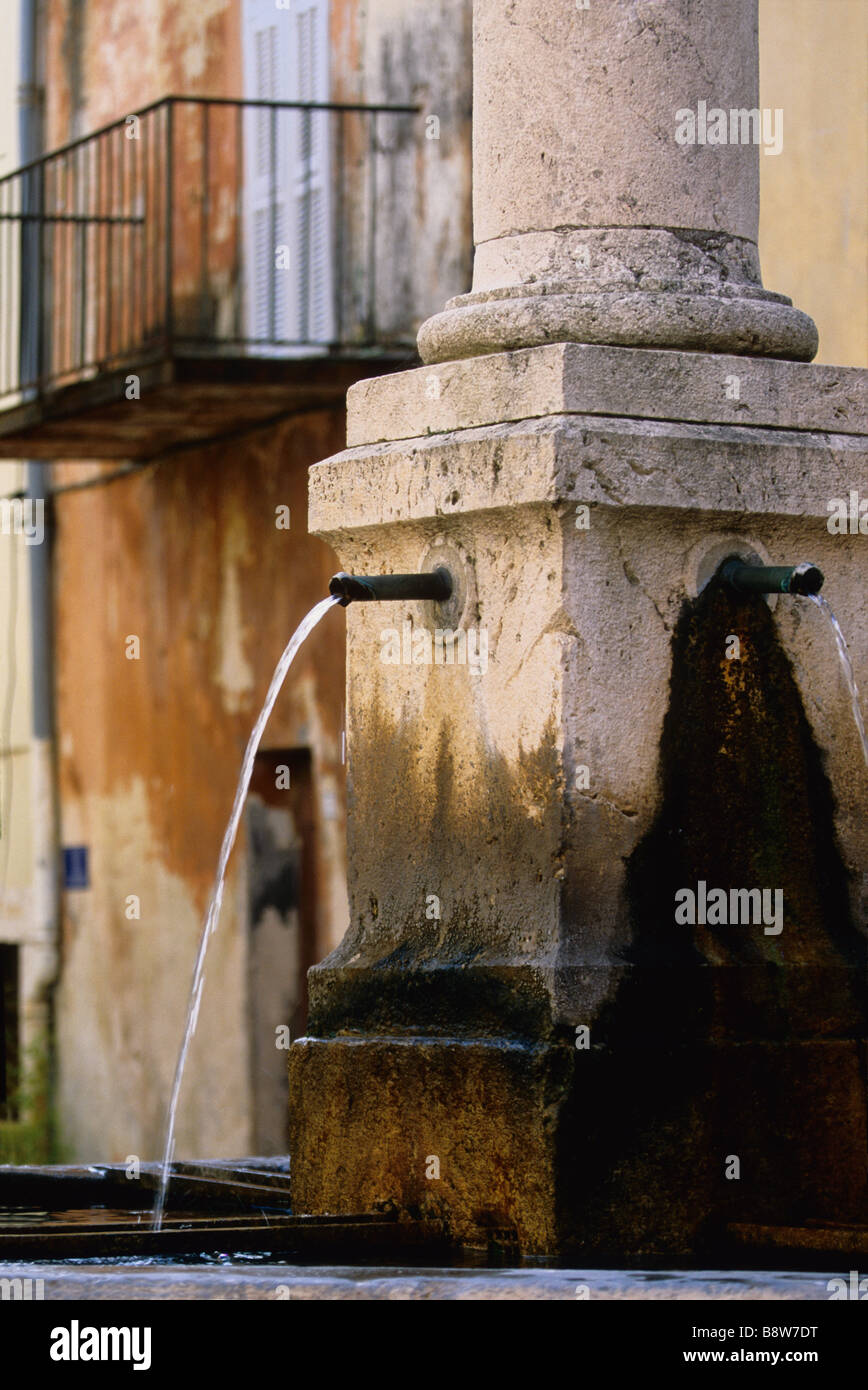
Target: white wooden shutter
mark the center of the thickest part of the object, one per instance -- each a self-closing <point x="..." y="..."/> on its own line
<point x="313" y="172"/>
<point x="287" y="193"/>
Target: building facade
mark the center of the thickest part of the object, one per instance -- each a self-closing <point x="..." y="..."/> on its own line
<point x="180" y="572"/>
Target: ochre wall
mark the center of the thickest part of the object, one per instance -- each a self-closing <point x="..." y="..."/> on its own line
<point x="105" y="59"/>
<point x="814" y="194"/>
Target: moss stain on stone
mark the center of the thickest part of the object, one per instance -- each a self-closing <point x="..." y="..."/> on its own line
<point x="720" y="1039"/>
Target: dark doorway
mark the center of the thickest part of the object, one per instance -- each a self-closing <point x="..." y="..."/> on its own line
<point x="282" y="929"/>
<point x="8" y="1032"/>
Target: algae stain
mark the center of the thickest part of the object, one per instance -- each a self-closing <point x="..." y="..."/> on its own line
<point x="745" y="800"/>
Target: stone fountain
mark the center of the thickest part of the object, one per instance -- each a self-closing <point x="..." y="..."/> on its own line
<point x="517" y="1035"/>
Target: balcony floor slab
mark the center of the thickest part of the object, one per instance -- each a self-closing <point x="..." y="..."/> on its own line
<point x="184" y="401"/>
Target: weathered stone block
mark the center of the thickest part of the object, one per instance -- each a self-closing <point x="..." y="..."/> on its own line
<point x="514" y="840"/>
<point x="410" y="1123"/>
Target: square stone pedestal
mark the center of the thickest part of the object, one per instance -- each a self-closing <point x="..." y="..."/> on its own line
<point x="514" y="997"/>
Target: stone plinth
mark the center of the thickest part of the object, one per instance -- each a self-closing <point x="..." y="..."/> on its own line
<point x="515" y="825"/>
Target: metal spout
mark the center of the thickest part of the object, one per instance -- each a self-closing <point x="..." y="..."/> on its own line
<point x="801" y="579"/>
<point x="437" y="584"/>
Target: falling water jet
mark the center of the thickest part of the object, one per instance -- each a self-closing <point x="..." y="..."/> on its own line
<point x="804" y="580"/>
<point x="305" y="627"/>
<point x="847" y="668"/>
<point x="343" y="589"/>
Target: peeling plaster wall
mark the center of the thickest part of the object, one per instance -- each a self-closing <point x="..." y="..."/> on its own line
<point x="106" y="59"/>
<point x="417" y="52"/>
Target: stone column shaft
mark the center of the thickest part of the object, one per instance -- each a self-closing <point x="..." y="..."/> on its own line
<point x="616" y="182"/>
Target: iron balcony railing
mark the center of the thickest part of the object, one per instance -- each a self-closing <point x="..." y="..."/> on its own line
<point x="207" y="226"/>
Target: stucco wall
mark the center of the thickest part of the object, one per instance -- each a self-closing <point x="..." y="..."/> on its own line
<point x="814" y="194"/>
<point x="105" y="59"/>
<point x="9" y="78"/>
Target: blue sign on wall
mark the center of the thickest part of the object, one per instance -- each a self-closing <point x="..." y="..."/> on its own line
<point x="76" y="870"/>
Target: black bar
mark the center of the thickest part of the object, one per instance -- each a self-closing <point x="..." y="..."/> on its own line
<point x="36" y="217"/>
<point x="169" y="324"/>
<point x="10" y="1079"/>
<point x="802" y="579"/>
<point x="99" y="268"/>
<point x="294" y="105"/>
<point x="149" y="241"/>
<point x="241" y="174"/>
<point x="110" y="193"/>
<point x="347" y="350"/>
<point x="136" y="324"/>
<point x="120" y="249"/>
<point x="7" y="327"/>
<point x="207" y="101"/>
<point x="305" y="279"/>
<point x="41" y="283"/>
<point x="272" y="167"/>
<point x="339" y="252"/>
<point x="204" y="219"/>
<point x="371" y="315"/>
<point x="81" y="192"/>
<point x="67" y="290"/>
<point x="436" y="584"/>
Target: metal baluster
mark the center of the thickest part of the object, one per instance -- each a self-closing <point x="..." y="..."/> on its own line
<point x="272" y="307"/>
<point x="204" y="217"/>
<point x="240" y="172"/>
<point x="370" y="325"/>
<point x="169" y="231"/>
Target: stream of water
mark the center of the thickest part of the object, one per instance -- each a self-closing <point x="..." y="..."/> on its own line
<point x="847" y="668"/>
<point x="305" y="627"/>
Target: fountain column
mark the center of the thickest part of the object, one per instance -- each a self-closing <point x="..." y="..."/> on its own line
<point x="515" y="1035"/>
<point x="616" y="183"/>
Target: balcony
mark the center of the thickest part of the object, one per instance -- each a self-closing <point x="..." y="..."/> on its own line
<point x="201" y="268"/>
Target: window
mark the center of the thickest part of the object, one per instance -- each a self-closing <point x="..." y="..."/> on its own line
<point x="287" y="193"/>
